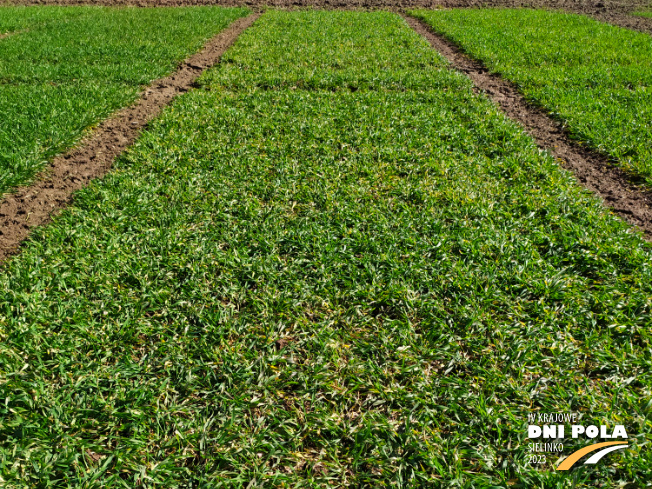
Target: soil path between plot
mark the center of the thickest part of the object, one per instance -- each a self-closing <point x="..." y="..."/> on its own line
<point x="35" y="204"/>
<point x="592" y="170"/>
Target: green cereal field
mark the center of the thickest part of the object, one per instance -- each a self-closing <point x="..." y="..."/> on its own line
<point x="332" y="263"/>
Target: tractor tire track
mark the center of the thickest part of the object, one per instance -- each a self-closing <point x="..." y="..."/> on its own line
<point x="592" y="170"/>
<point x="34" y="205"/>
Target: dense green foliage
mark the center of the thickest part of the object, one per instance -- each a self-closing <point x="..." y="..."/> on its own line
<point x="323" y="288"/>
<point x="595" y="77"/>
<point x="14" y="19"/>
<point x="334" y="59"/>
<point x="71" y="68"/>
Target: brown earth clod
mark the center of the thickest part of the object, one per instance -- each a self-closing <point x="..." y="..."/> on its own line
<point x="592" y="170"/>
<point x="35" y="204"/>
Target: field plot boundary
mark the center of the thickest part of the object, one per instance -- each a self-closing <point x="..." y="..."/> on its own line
<point x="628" y="20"/>
<point x="591" y="169"/>
<point x="35" y="204"/>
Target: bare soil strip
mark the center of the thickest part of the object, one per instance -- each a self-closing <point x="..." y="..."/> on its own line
<point x="641" y="24"/>
<point x="34" y="205"/>
<point x="592" y="170"/>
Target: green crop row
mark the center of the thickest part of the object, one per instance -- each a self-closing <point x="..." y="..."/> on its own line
<point x="594" y="77"/>
<point x="14" y="19"/>
<point x="368" y="55"/>
<point x="280" y="287"/>
<point x="71" y="68"/>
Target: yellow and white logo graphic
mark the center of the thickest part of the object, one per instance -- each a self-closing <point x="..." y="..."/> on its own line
<point x="549" y="437"/>
<point x="607" y="447"/>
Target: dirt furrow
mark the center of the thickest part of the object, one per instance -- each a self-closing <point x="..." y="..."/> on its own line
<point x="35" y="204"/>
<point x="592" y="170"/>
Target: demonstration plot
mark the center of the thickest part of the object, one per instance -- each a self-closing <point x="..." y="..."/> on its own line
<point x="595" y="77"/>
<point x="287" y="287"/>
<point x="369" y="54"/>
<point x="61" y="77"/>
